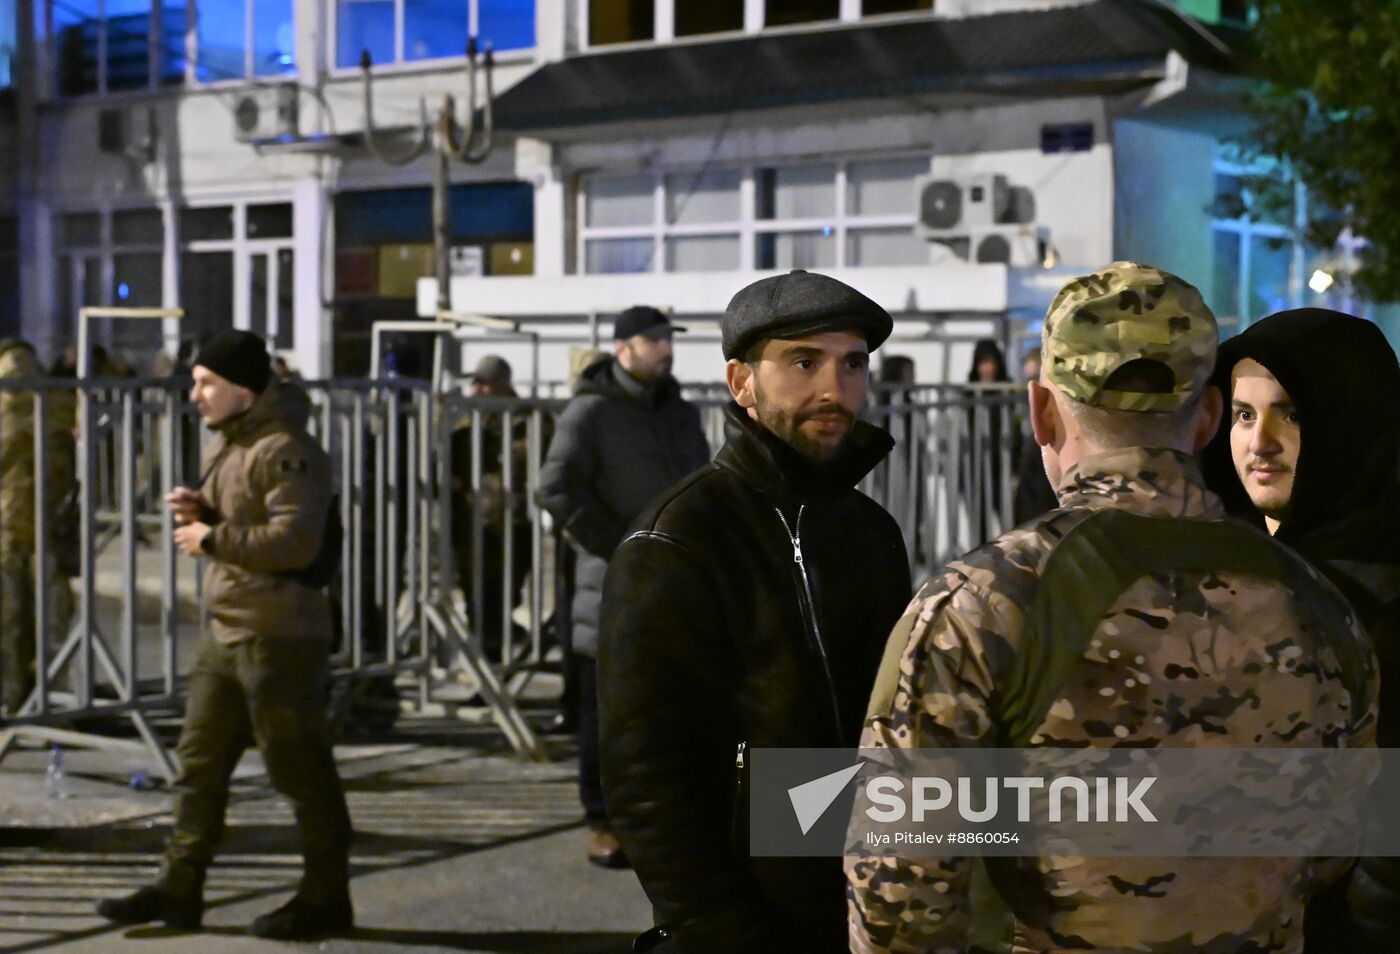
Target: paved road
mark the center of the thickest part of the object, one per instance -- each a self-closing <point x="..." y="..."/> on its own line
<point x="460" y="846"/>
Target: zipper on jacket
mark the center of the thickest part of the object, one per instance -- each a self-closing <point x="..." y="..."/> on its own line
<point x="739" y="817"/>
<point x="808" y="606"/>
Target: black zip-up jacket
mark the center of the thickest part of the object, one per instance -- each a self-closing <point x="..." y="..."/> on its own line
<point x="716" y="639"/>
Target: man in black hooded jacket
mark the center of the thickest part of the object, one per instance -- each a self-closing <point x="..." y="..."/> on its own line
<point x="1316" y="459"/>
<point x="748" y="609"/>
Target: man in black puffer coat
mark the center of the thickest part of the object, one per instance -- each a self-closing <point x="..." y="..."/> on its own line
<point x="748" y="609"/>
<point x="1316" y="459"/>
<point x="624" y="438"/>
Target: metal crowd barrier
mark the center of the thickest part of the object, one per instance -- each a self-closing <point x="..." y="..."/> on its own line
<point x="950" y="480"/>
<point x="424" y="546"/>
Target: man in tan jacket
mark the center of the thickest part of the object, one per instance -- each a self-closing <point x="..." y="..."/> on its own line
<point x="259" y="517"/>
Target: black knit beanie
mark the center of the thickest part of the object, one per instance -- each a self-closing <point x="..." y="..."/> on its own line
<point x="239" y="357"/>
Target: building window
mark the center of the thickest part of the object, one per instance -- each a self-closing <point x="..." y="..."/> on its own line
<point x="113" y="45"/>
<point x="237" y="270"/>
<point x="9" y="49"/>
<point x="787" y="12"/>
<point x="1067" y="137"/>
<point x="871" y="8"/>
<point x="635" y="21"/>
<point x="113" y="257"/>
<point x="401" y="31"/>
<point x="800" y="215"/>
<point x="694" y="17"/>
<point x="620" y="21"/>
<point x="1260" y="264"/>
<point x="384" y="245"/>
<point x="240" y="39"/>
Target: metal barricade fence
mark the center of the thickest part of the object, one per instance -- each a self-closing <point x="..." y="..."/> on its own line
<point x="448" y="567"/>
<point x="950" y="480"/>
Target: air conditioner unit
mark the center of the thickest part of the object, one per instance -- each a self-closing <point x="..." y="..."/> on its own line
<point x="1021" y="246"/>
<point x="955" y="206"/>
<point x="266" y="113"/>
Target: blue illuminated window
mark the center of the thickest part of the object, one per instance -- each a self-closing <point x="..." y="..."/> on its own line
<point x="124" y="27"/>
<point x="237" y="43"/>
<point x="432" y="29"/>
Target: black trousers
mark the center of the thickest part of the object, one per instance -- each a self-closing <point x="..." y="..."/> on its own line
<point x="590" y="779"/>
<point x="272" y="692"/>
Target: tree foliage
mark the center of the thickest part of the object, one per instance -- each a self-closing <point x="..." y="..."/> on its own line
<point x="1329" y="108"/>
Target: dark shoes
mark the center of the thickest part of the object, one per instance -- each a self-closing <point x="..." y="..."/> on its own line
<point x="303" y="920"/>
<point x="604" y="850"/>
<point x="155" y="902"/>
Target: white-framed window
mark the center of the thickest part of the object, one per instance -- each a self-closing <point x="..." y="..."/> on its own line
<point x="111" y="257"/>
<point x="606" y="22"/>
<point x="237" y="264"/>
<point x="406" y="31"/>
<point x="1261" y="265"/>
<point x="818" y="214"/>
<point x="245" y="39"/>
<point x="112" y="46"/>
<point x="235" y="269"/>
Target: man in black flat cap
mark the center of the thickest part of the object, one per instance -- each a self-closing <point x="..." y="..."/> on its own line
<point x="748" y="607"/>
<point x="259" y="516"/>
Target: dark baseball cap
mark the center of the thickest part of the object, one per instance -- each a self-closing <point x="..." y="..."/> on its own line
<point x="643" y="320"/>
<point x="492" y="368"/>
<point x="798" y="304"/>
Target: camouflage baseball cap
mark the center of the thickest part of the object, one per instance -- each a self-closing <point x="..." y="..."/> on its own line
<point x="1126" y="312"/>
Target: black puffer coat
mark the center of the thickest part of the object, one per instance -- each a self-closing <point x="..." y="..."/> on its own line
<point x="710" y="642"/>
<point x="614" y="449"/>
<point x="1344" y="518"/>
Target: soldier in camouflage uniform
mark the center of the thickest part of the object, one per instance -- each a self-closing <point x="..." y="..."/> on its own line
<point x="18" y="568"/>
<point x="1182" y="659"/>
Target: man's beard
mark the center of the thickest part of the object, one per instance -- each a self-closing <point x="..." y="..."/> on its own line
<point x="788" y="428"/>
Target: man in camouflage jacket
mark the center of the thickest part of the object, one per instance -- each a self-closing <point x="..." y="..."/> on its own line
<point x="1181" y="660"/>
<point x="18" y="544"/>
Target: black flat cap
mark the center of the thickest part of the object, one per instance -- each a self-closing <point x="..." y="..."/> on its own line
<point x="798" y="304"/>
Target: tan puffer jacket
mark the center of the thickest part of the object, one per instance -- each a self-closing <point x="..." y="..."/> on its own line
<point x="269" y="483"/>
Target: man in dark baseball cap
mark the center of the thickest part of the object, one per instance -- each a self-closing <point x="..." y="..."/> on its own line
<point x="642" y="343"/>
<point x="751" y="602"/>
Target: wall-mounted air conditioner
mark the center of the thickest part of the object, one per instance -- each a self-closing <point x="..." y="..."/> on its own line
<point x="982" y="219"/>
<point x="266" y="113"/>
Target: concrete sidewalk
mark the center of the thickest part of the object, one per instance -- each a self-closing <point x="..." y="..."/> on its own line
<point x="460" y="846"/>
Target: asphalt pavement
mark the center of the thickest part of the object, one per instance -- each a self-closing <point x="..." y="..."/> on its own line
<point x="460" y="846"/>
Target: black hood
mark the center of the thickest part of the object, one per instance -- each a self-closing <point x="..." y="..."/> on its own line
<point x="766" y="461"/>
<point x="1345" y="383"/>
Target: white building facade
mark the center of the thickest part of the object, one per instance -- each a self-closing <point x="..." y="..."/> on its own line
<point x="955" y="159"/>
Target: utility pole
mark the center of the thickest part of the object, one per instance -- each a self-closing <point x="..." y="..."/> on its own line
<point x="466" y="142"/>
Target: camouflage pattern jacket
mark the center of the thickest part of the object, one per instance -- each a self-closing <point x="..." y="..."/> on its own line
<point x="1187" y="660"/>
<point x="17" y="517"/>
